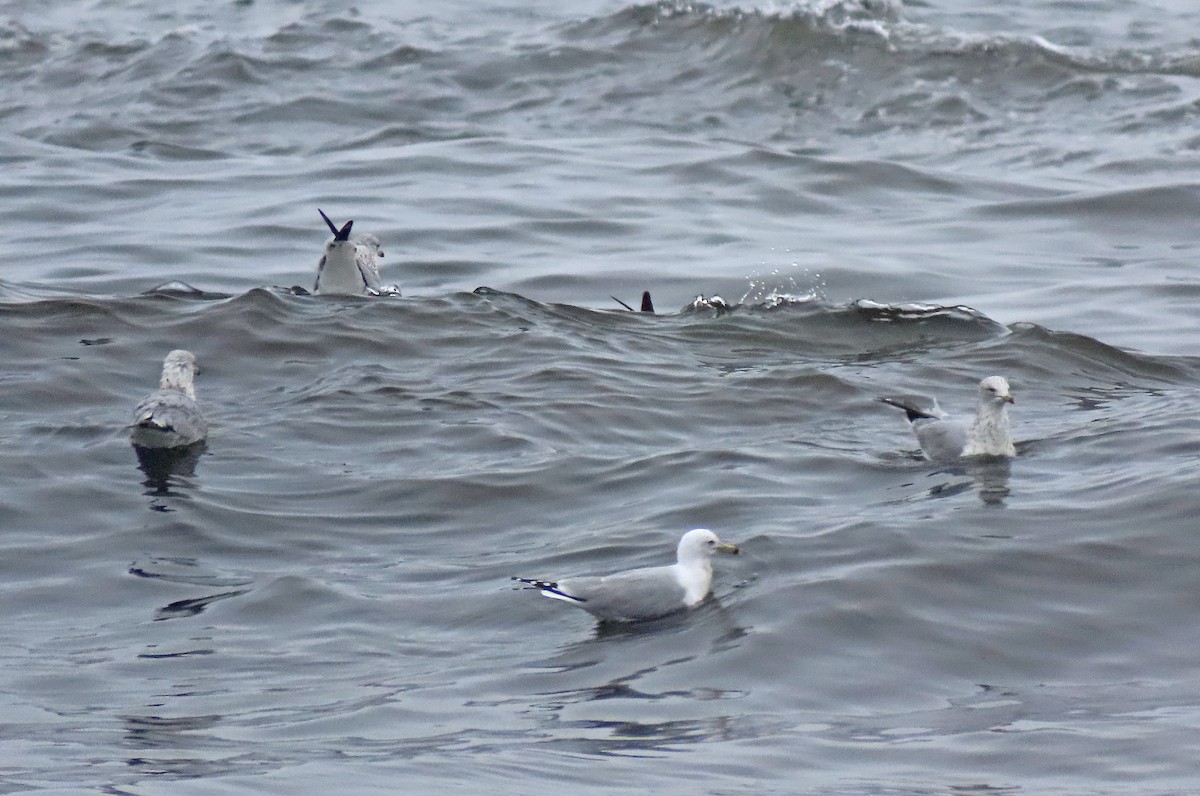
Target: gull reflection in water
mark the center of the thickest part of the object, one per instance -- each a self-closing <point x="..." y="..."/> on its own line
<point x="988" y="475"/>
<point x="162" y="466"/>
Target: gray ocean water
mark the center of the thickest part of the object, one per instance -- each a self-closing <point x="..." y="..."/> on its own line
<point x="897" y="198"/>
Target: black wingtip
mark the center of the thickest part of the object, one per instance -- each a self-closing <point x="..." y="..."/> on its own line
<point x="332" y="228"/>
<point x="911" y="411"/>
<point x="622" y="303"/>
<point x="338" y="234"/>
<point x="647" y="303"/>
<point x="545" y="586"/>
<point x="534" y="583"/>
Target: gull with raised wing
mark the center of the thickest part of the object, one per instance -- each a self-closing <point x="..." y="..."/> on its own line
<point x="348" y="267"/>
<point x="647" y="303"/>
<point x="645" y="593"/>
<point x="944" y="439"/>
<point x="170" y="417"/>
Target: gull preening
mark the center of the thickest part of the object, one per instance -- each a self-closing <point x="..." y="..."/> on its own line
<point x="944" y="439"/>
<point x="170" y="417"/>
<point x="645" y="593"/>
<point x="348" y="267"/>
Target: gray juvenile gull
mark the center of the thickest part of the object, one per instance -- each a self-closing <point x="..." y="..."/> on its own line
<point x="170" y="417"/>
<point x="348" y="267"/>
<point x="944" y="439"/>
<point x="644" y="593"/>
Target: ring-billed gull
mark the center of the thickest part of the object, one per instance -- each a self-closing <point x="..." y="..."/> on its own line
<point x="944" y="439"/>
<point x="348" y="267"/>
<point x="644" y="593"/>
<point x="170" y="418"/>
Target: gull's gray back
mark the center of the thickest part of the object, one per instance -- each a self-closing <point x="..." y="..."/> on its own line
<point x="166" y="419"/>
<point x="637" y="594"/>
<point x="942" y="440"/>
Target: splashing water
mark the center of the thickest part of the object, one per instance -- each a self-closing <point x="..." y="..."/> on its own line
<point x="778" y="288"/>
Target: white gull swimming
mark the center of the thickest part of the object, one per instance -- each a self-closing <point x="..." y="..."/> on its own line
<point x="646" y="593"/>
<point x="348" y="267"/>
<point x="170" y="417"/>
<point x="944" y="439"/>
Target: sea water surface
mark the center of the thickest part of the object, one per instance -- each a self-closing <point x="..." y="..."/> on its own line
<point x="894" y="198"/>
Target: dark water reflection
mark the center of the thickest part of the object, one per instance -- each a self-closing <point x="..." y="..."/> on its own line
<point x="165" y="467"/>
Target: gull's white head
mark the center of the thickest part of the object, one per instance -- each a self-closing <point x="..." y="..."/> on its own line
<point x="701" y="544"/>
<point x="370" y="243"/>
<point x="995" y="389"/>
<point x="179" y="371"/>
